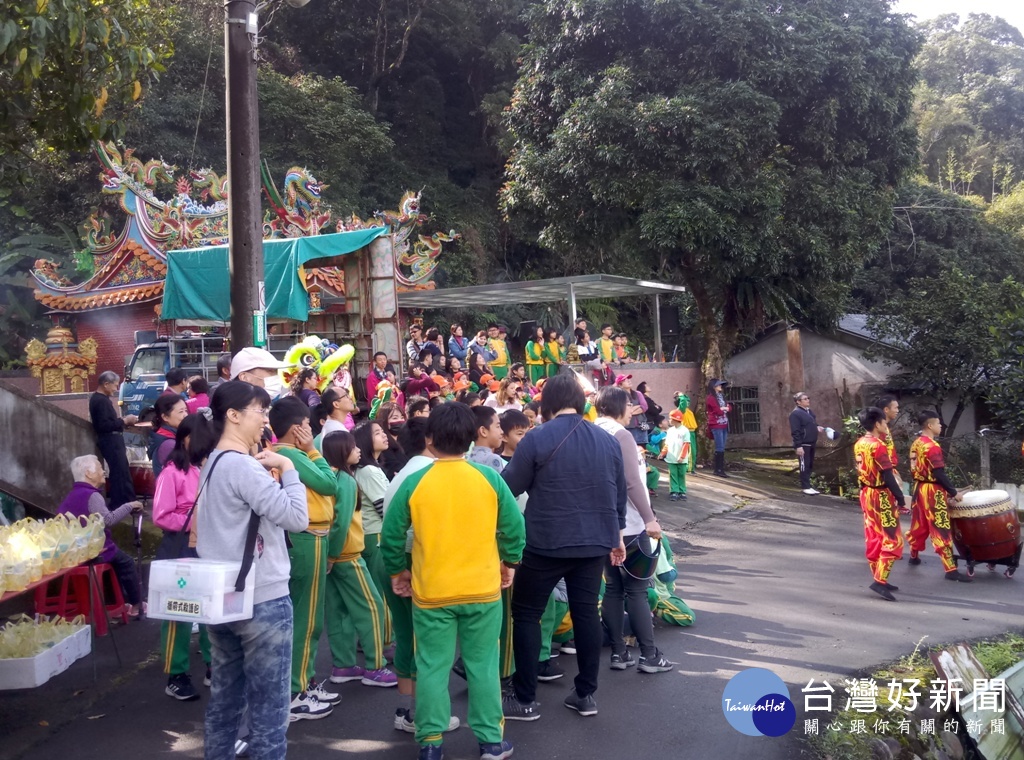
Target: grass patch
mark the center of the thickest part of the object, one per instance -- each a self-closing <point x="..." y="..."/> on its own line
<point x="995" y="654"/>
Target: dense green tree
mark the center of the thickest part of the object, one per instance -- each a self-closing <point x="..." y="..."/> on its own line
<point x="970" y="104"/>
<point x="940" y="328"/>
<point x="69" y="70"/>
<point x="932" y="231"/>
<point x="747" y="151"/>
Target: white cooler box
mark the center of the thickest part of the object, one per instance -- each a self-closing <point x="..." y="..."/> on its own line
<point x="194" y="590"/>
<point x="29" y="672"/>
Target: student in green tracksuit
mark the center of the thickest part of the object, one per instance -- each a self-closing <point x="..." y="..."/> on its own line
<point x="373" y="484"/>
<point x="353" y="603"/>
<point x="289" y="419"/>
<point x="465" y="543"/>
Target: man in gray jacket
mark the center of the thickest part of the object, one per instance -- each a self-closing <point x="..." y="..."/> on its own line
<point x="804" y="426"/>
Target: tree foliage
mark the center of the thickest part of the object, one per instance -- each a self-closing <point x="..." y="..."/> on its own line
<point x="940" y="327"/>
<point x="970" y="104"/>
<point x="70" y="69"/>
<point x="747" y="151"/>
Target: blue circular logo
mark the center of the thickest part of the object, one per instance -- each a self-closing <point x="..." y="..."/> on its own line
<point x="756" y="703"/>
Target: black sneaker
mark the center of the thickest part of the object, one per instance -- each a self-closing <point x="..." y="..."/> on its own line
<point x="656" y="664"/>
<point x="499" y="751"/>
<point x="180" y="687"/>
<point x="431" y="752"/>
<point x="583" y="705"/>
<point x="568" y="647"/>
<point x="957" y="577"/>
<point x="513" y="709"/>
<point x="208" y="678"/>
<point x="549" y="671"/>
<point x="622" y="661"/>
<point x="459" y="669"/>
<point x="914" y="560"/>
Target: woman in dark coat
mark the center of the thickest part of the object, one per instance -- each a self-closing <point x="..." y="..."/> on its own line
<point x="654" y="412"/>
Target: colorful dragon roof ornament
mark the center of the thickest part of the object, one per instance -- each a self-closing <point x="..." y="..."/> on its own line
<point x="130" y="265"/>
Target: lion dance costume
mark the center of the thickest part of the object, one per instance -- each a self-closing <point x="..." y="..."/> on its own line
<point x="882" y="537"/>
<point x="326" y="358"/>
<point x="930" y="508"/>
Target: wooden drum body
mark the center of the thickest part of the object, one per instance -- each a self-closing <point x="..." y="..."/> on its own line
<point x="143" y="479"/>
<point x="986" y="528"/>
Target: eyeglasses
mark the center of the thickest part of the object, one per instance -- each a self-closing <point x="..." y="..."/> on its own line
<point x="257" y="409"/>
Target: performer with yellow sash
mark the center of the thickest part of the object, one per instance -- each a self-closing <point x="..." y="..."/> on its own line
<point x="496" y="341"/>
<point x="879" y="496"/>
<point x="932" y="489"/>
<point x="535" y="356"/>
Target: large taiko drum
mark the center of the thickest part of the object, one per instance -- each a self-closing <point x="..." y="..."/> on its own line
<point x="986" y="528"/>
<point x="143" y="479"/>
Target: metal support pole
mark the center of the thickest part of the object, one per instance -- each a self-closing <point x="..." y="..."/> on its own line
<point x="657" y="329"/>
<point x="245" y="228"/>
<point x="985" y="452"/>
<point x="572" y="306"/>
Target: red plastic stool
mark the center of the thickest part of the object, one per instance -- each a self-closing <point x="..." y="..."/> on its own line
<point x="77" y="598"/>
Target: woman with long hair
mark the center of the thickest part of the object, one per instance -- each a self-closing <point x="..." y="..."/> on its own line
<point x="506" y="397"/>
<point x="169" y="410"/>
<point x="535" y="355"/>
<point x="391" y="418"/>
<point x="622" y="591"/>
<point x="372" y="441"/>
<point x="477" y="368"/>
<point x="457" y="344"/>
<point x="173" y="502"/>
<point x="305" y="385"/>
<point x="354" y="605"/>
<point x="251" y="659"/>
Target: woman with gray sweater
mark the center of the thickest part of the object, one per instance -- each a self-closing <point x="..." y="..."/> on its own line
<point x="623" y="591"/>
<point x="251" y="658"/>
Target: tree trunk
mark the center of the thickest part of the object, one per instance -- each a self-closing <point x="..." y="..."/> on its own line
<point x="960" y="406"/>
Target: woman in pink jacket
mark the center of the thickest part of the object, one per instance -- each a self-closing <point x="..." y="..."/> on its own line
<point x="173" y="500"/>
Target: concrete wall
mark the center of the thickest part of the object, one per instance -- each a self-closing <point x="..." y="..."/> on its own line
<point x="38" y="440"/>
<point x="665" y="379"/>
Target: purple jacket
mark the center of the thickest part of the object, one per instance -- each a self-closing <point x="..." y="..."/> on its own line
<point x="77" y="503"/>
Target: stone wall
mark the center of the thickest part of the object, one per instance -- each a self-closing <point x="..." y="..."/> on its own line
<point x="38" y="440"/>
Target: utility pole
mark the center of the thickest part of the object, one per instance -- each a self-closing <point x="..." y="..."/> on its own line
<point x="245" y="227"/>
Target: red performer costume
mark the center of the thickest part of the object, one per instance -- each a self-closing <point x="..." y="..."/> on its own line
<point x="931" y="515"/>
<point x="879" y="496"/>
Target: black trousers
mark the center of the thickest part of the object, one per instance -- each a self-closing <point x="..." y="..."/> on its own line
<point x="120" y="479"/>
<point x="124" y="569"/>
<point x="534" y="582"/>
<point x="806" y="465"/>
<point x="623" y="592"/>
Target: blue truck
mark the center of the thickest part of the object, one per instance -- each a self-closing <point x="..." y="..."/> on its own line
<point x="145" y="369"/>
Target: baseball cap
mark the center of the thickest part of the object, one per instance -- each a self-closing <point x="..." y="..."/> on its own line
<point x="620" y="379"/>
<point x="251" y="358"/>
<point x="676" y="415"/>
<point x="494" y="386"/>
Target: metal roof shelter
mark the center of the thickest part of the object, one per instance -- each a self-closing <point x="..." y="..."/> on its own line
<point x="569" y="289"/>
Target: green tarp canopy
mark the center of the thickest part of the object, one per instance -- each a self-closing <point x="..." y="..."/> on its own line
<point x="198" y="284"/>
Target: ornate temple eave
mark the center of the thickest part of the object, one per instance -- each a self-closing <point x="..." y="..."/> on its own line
<point x="105" y="299"/>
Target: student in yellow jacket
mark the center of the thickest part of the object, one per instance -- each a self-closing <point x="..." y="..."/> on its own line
<point x="465" y="543"/>
<point x="289" y="419"/>
<point x="535" y="356"/>
<point x="496" y="341"/>
<point x="553" y="353"/>
<point x="354" y="605"/>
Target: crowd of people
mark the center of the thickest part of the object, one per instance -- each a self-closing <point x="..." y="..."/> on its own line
<point x="352" y="525"/>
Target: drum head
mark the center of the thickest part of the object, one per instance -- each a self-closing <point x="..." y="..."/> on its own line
<point x="983" y="498"/>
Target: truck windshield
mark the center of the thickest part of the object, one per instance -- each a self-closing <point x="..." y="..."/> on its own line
<point x="150" y="362"/>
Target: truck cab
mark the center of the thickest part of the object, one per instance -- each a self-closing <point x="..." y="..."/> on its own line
<point x="146" y="368"/>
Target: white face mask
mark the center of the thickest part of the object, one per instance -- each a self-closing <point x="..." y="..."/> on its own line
<point x="273" y="386"/>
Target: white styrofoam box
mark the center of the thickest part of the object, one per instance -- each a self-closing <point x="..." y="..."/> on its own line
<point x="29" y="672"/>
<point x="195" y="590"/>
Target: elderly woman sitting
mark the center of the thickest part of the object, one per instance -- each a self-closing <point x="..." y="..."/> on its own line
<point x="86" y="498"/>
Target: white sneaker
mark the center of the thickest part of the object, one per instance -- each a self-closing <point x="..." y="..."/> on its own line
<point x="317" y="690"/>
<point x="307" y="707"/>
<point x="811" y="492"/>
<point x="404" y="723"/>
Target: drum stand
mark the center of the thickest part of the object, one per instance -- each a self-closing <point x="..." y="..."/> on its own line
<point x="1012" y="562"/>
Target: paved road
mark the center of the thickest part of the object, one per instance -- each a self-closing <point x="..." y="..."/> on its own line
<point x="774" y="583"/>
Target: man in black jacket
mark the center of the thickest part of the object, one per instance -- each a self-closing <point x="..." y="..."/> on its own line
<point x="804" y="427"/>
<point x="109" y="426"/>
